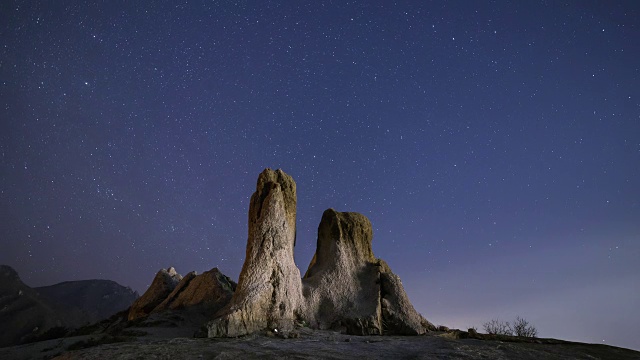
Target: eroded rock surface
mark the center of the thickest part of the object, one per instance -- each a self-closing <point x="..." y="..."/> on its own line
<point x="269" y="291"/>
<point x="210" y="291"/>
<point x="347" y="288"/>
<point x="177" y="290"/>
<point x="341" y="286"/>
<point x="163" y="284"/>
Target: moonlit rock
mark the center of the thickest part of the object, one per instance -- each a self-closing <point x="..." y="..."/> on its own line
<point x="346" y="288"/>
<point x="210" y="291"/>
<point x="269" y="291"/>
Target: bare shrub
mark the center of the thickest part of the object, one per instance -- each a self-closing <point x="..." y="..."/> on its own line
<point x="497" y="327"/>
<point x="521" y="327"/>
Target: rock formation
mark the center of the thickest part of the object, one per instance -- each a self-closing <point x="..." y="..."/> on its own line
<point x="169" y="300"/>
<point x="269" y="291"/>
<point x="209" y="291"/>
<point x="347" y="288"/>
<point x="163" y="284"/>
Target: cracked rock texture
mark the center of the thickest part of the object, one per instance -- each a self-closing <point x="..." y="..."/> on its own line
<point x="269" y="291"/>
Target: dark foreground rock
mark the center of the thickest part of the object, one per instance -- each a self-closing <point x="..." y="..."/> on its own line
<point x="309" y="344"/>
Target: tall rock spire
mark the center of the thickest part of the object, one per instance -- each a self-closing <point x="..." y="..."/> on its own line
<point x="269" y="291"/>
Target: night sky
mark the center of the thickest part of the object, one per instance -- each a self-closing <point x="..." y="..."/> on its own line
<point x="495" y="146"/>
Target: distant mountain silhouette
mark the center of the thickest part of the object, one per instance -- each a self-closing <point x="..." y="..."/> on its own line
<point x="27" y="313"/>
<point x="23" y="312"/>
<point x="88" y="301"/>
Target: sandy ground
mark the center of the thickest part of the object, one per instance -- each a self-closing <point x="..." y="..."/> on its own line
<point x="158" y="344"/>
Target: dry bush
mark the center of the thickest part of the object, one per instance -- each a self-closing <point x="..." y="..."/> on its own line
<point x="521" y="327"/>
<point x="497" y="327"/>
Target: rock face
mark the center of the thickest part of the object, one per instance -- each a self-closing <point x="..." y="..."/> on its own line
<point x="341" y="284"/>
<point x="269" y="291"/>
<point x="209" y="291"/>
<point x="347" y="288"/>
<point x="163" y="284"/>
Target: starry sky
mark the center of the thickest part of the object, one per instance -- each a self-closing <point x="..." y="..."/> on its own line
<point x="495" y="146"/>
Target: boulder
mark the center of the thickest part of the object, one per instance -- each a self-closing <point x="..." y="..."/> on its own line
<point x="269" y="291"/>
<point x="210" y="291"/>
<point x="347" y="288"/>
<point x="163" y="284"/>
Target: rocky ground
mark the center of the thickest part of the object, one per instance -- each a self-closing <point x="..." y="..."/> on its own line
<point x="175" y="343"/>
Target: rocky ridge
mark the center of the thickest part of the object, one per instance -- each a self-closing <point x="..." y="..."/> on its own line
<point x="170" y="291"/>
<point x="162" y="285"/>
<point x="87" y="301"/>
<point x="29" y="314"/>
